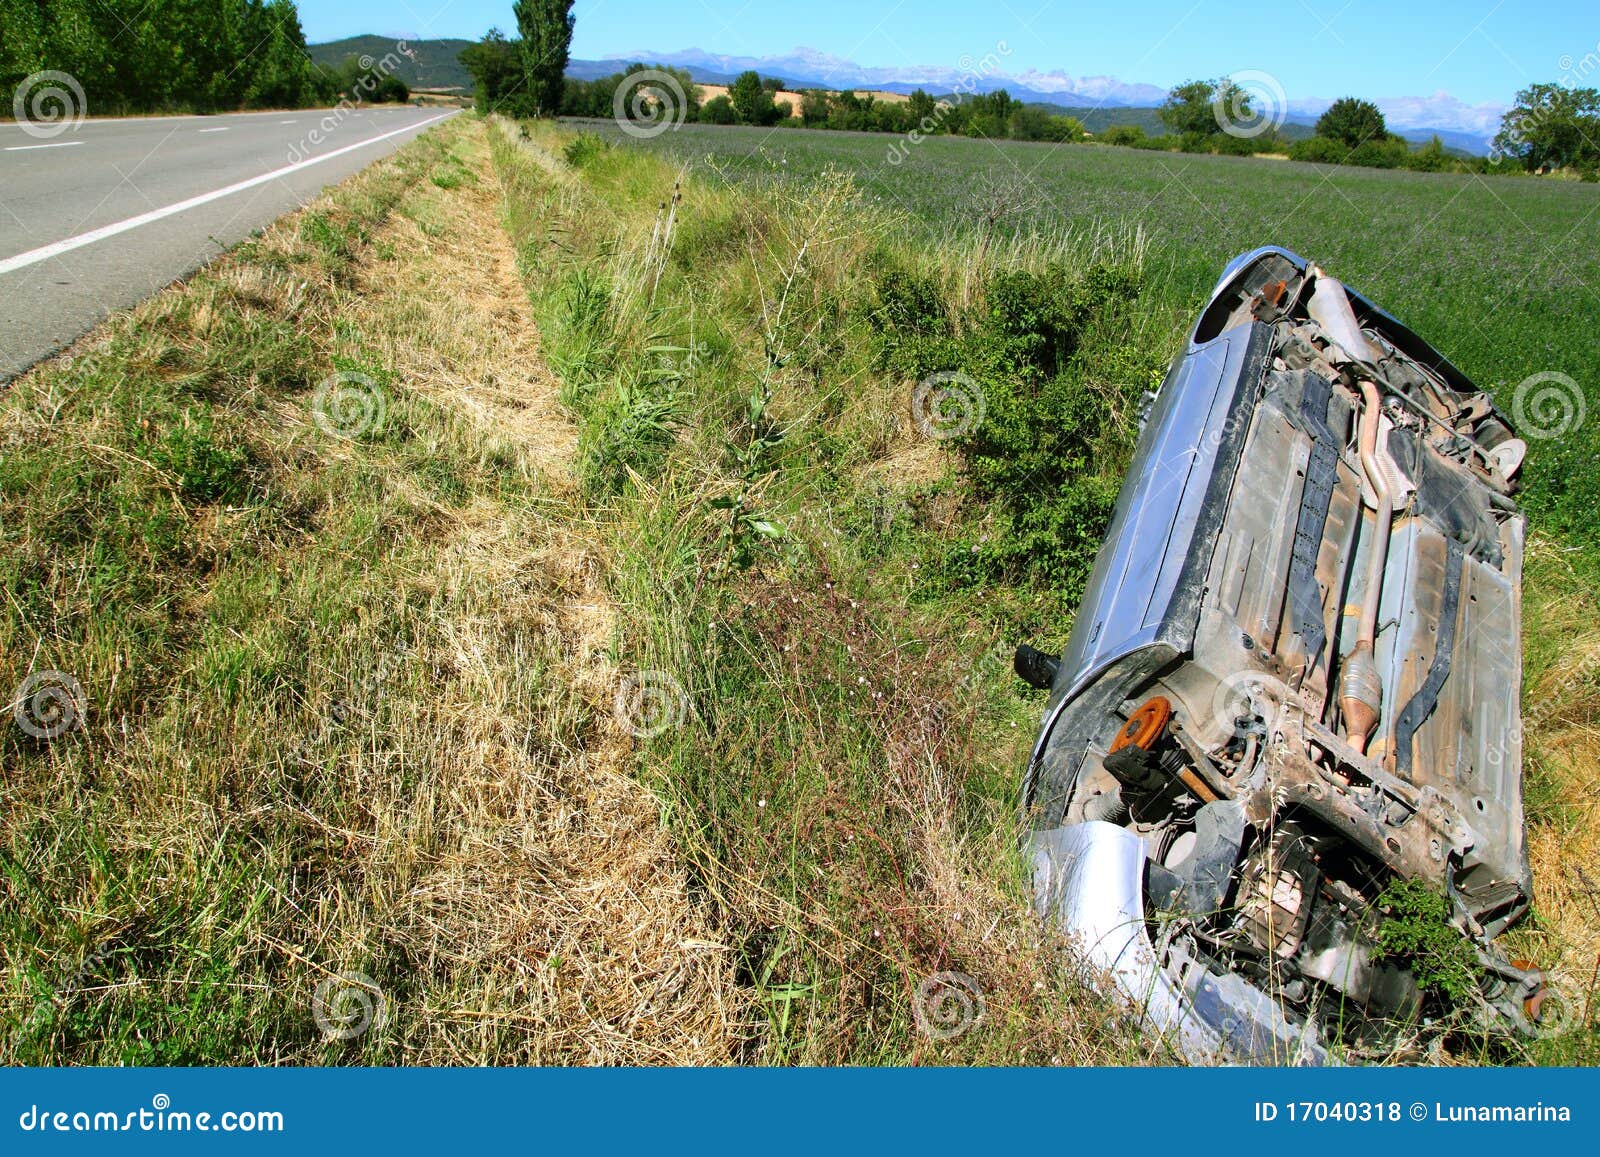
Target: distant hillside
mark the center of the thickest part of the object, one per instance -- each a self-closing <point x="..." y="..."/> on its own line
<point x="435" y="64"/>
<point x="431" y="63"/>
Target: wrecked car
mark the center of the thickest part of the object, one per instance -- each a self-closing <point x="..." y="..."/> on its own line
<point x="1293" y="681"/>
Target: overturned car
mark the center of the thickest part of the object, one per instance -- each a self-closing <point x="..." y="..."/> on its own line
<point x="1293" y="681"/>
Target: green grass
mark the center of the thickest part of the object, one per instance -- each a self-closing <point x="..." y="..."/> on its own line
<point x="1501" y="274"/>
<point x="844" y="780"/>
<point x="836" y="595"/>
<point x="261" y="595"/>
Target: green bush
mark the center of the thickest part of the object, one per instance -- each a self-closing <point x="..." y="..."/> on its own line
<point x="629" y="430"/>
<point x="1129" y="135"/>
<point x="1417" y="933"/>
<point x="205" y="470"/>
<point x="719" y="111"/>
<point x="1319" y="150"/>
<point x="1037" y="458"/>
<point x="584" y="148"/>
<point x="1389" y="154"/>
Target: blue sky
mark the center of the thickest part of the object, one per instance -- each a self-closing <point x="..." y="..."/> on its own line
<point x="1477" y="50"/>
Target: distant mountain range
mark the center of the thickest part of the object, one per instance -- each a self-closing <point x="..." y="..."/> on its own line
<point x="1100" y="101"/>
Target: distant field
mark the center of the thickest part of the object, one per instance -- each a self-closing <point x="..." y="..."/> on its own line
<point x="1497" y="272"/>
<point x="1501" y="274"/>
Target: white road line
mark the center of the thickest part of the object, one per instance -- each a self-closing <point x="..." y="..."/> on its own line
<point x="53" y="145"/>
<point x="288" y="122"/>
<point x="221" y="130"/>
<point x="44" y="252"/>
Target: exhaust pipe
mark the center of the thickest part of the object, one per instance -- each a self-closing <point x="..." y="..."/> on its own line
<point x="1360" y="685"/>
<point x="1330" y="308"/>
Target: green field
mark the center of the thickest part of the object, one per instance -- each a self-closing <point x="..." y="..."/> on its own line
<point x="1502" y="274"/>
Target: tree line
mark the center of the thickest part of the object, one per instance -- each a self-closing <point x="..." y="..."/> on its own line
<point x="501" y="84"/>
<point x="1551" y="127"/>
<point x="172" y="55"/>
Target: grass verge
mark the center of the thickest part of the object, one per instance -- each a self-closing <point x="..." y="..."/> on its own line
<point x="320" y="765"/>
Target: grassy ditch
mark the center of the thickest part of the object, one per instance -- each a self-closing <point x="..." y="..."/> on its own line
<point x="823" y="604"/>
<point x="319" y="765"/>
<point x="839" y="468"/>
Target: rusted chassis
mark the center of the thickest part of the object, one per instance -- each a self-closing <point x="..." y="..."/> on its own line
<point x="1230" y="574"/>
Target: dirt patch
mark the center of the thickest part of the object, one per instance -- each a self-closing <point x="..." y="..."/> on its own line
<point x="467" y="337"/>
<point x="559" y="890"/>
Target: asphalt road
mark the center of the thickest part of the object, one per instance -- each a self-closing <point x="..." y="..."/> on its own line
<point x="99" y="216"/>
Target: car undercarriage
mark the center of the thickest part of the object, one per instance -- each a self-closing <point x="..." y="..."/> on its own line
<point x="1293" y="682"/>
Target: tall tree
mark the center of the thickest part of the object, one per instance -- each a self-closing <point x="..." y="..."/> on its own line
<point x="496" y="67"/>
<point x="1188" y="108"/>
<point x="752" y="99"/>
<point x="546" y="29"/>
<point x="1552" y="127"/>
<point x="1352" y="122"/>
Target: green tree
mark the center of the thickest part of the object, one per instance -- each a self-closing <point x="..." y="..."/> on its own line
<point x="814" y="107"/>
<point x="989" y="114"/>
<point x="496" y="67"/>
<point x="718" y="110"/>
<point x="921" y="107"/>
<point x="1126" y="135"/>
<point x="752" y="99"/>
<point x="546" y="29"/>
<point x="1552" y="127"/>
<point x="1352" y="122"/>
<point x="146" y="55"/>
<point x="1430" y="158"/>
<point x="1188" y="108"/>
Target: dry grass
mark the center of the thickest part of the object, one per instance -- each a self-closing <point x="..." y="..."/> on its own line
<point x="373" y="732"/>
<point x="1561" y="715"/>
<point x="844" y="783"/>
<point x="350" y="701"/>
